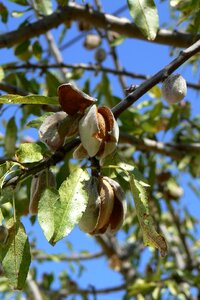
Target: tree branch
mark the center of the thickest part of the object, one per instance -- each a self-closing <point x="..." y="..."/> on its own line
<point x="11" y="89"/>
<point x="88" y="291"/>
<point x="34" y="289"/>
<point x="159" y="76"/>
<point x="175" y="151"/>
<point x="117" y="110"/>
<point x="106" y="21"/>
<point x="87" y="67"/>
<point x="40" y="256"/>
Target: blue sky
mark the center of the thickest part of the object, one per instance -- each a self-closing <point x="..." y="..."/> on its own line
<point x="137" y="56"/>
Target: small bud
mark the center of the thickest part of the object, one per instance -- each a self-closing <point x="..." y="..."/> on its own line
<point x="105" y="210"/>
<point x="38" y="184"/>
<point x="99" y="132"/>
<point x="73" y="100"/>
<point x="3" y="234"/>
<point x="84" y="25"/>
<point x="100" y="55"/>
<point x="92" y="41"/>
<point x="174" y="88"/>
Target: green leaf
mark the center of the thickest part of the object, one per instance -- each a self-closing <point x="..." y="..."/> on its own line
<point x="30" y="99"/>
<point x="145" y="15"/>
<point x="6" y="195"/>
<point x="17" y="13"/>
<point x="46" y="211"/>
<point x="44" y="7"/>
<point x="29" y="153"/>
<point x="3" y="13"/>
<point x="1" y="69"/>
<point x="23" y="51"/>
<point x="37" y="50"/>
<point x="118" y="41"/>
<point x="52" y="83"/>
<point x="10" y="137"/>
<point x="20" y="2"/>
<point x="15" y="255"/>
<point x="36" y="123"/>
<point x="141" y="287"/>
<point x="140" y="193"/>
<point x="71" y="205"/>
<point x="1" y="217"/>
<point x="6" y="169"/>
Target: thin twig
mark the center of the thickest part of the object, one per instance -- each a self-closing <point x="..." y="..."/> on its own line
<point x="56" y="53"/>
<point x="173" y="150"/>
<point x="61" y="257"/>
<point x="113" y="51"/>
<point x="87" y="67"/>
<point x="181" y="234"/>
<point x="35" y="291"/>
<point x="78" y="291"/>
<point x="12" y="89"/>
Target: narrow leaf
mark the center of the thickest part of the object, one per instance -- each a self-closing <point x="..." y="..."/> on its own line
<point x="7" y="169"/>
<point x="140" y="195"/>
<point x="28" y="153"/>
<point x="71" y="205"/>
<point x="10" y="137"/>
<point x="145" y="15"/>
<point x="46" y="210"/>
<point x="15" y="255"/>
<point x="30" y="99"/>
<point x="36" y="123"/>
<point x="3" y="13"/>
<point x="2" y="74"/>
<point x="44" y="6"/>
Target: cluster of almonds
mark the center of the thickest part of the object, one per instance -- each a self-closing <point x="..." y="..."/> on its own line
<point x="106" y="202"/>
<point x="106" y="206"/>
<point x="97" y="127"/>
<point x="99" y="134"/>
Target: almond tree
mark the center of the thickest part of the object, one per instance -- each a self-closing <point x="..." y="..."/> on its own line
<point x="96" y="155"/>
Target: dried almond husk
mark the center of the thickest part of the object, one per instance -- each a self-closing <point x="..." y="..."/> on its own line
<point x="73" y="100"/>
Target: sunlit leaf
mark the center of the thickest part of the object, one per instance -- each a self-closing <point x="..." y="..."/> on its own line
<point x="15" y="255"/>
<point x="46" y="211"/>
<point x="44" y="7"/>
<point x="10" y="137"/>
<point x="37" y="50"/>
<point x="1" y="71"/>
<point x="141" y="287"/>
<point x="28" y="153"/>
<point x="30" y="99"/>
<point x="71" y="205"/>
<point x="1" y="217"/>
<point x="139" y="190"/>
<point x="36" y="123"/>
<point x="118" y="41"/>
<point x="145" y="15"/>
<point x="17" y="13"/>
<point x="6" y="169"/>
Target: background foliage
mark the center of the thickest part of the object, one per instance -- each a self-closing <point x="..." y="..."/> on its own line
<point x="44" y="44"/>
